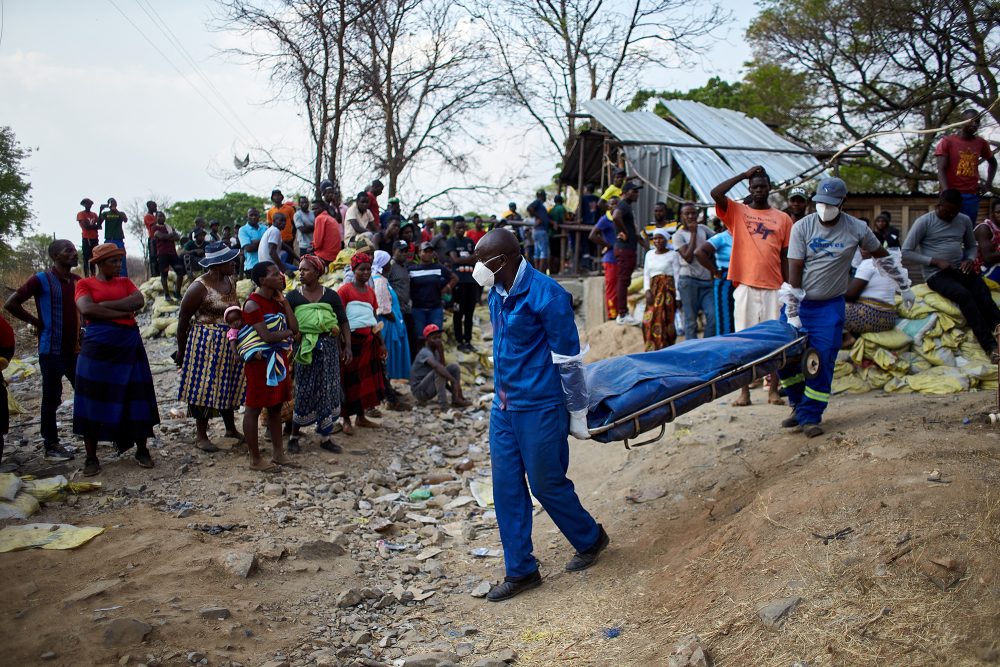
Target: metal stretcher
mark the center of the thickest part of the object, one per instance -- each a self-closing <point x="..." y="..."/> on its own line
<point x="633" y="394"/>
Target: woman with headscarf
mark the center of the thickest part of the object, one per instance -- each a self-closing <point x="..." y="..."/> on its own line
<point x="267" y="299"/>
<point x="325" y="342"/>
<point x="364" y="383"/>
<point x="114" y="397"/>
<point x="391" y="316"/>
<point x="212" y="382"/>
<point x="659" y="279"/>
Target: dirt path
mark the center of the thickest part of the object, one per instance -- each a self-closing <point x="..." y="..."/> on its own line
<point x="731" y="506"/>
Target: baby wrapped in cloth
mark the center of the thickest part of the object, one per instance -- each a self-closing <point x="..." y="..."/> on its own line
<point x="250" y="345"/>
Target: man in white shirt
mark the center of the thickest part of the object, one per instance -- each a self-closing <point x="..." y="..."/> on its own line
<point x="270" y="245"/>
<point x="359" y="221"/>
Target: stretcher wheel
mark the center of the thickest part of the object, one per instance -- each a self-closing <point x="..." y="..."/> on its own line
<point x="811" y="363"/>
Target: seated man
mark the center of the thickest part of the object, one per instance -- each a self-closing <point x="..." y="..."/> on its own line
<point x="943" y="242"/>
<point x="430" y="377"/>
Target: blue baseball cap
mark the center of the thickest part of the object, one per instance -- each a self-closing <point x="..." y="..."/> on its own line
<point x="830" y="191"/>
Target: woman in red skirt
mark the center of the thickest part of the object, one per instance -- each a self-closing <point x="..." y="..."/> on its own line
<point x="267" y="299"/>
<point x="364" y="382"/>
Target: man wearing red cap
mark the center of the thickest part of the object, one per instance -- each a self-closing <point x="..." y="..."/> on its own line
<point x="430" y="376"/>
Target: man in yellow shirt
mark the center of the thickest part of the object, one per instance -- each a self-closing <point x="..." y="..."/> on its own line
<point x="615" y="189"/>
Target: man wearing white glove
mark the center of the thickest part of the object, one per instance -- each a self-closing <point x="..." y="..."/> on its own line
<point x="820" y="251"/>
<point x="537" y="402"/>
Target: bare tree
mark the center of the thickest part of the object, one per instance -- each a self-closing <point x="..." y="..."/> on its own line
<point x="303" y="43"/>
<point x="555" y="54"/>
<point x="874" y="66"/>
<point x="427" y="74"/>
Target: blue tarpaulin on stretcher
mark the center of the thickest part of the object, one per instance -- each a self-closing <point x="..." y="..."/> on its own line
<point x="621" y="386"/>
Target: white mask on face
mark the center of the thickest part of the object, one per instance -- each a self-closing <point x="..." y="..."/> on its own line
<point x="482" y="274"/>
<point x="827" y="212"/>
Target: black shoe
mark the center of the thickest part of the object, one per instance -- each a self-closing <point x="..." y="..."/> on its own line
<point x="512" y="586"/>
<point x="812" y="430"/>
<point x="585" y="559"/>
<point x="143" y="458"/>
<point x="790" y="422"/>
<point x="91" y="467"/>
<point x="331" y="446"/>
<point x="293" y="446"/>
<point x="56" y="453"/>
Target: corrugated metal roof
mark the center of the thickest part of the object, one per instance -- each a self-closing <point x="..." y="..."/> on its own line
<point x="725" y="127"/>
<point x="641" y="127"/>
<point x="704" y="167"/>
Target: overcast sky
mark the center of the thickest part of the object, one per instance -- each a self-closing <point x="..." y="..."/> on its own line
<point x="108" y="114"/>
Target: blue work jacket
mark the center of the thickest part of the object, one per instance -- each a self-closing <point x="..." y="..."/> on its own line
<point x="535" y="320"/>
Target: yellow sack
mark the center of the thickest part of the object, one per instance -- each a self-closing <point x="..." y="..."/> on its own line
<point x="149" y="331"/>
<point x="13" y="407"/>
<point x="938" y="356"/>
<point x="23" y="506"/>
<point x="948" y="322"/>
<point x="842" y="369"/>
<point x="917" y="311"/>
<point x="45" y="536"/>
<point x="943" y="305"/>
<point x="343" y="259"/>
<point x="635" y="286"/>
<point x="897" y="385"/>
<point x="884" y="359"/>
<point x="922" y="290"/>
<point x="969" y="348"/>
<point x="17" y="370"/>
<point x="10" y="484"/>
<point x="939" y="381"/>
<point x="851" y="384"/>
<point x="171" y="329"/>
<point x="893" y="339"/>
<point x="875" y="377"/>
<point x="953" y="339"/>
<point x="243" y="289"/>
<point x="49" y="489"/>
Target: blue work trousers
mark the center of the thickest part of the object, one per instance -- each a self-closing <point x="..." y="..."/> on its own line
<point x="724" y="303"/>
<point x="824" y="322"/>
<point x="534" y="443"/>
<point x="697" y="294"/>
<point x="970" y="206"/>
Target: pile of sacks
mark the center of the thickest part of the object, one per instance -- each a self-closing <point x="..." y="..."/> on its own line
<point x="930" y="351"/>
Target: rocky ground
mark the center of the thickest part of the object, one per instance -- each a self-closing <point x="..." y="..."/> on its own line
<point x="732" y="542"/>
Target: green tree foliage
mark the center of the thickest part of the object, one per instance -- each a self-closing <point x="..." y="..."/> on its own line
<point x="230" y="209"/>
<point x="873" y="66"/>
<point x="15" y="198"/>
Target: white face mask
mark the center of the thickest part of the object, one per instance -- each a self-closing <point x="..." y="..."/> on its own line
<point x="482" y="274"/>
<point x="827" y="212"/>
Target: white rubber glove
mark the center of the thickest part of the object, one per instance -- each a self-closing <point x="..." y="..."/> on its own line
<point x="578" y="425"/>
<point x="795" y="321"/>
<point x="909" y="298"/>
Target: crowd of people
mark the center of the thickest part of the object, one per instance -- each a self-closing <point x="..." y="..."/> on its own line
<point x="325" y="357"/>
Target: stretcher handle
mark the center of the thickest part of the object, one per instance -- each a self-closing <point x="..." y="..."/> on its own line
<point x="781" y="351"/>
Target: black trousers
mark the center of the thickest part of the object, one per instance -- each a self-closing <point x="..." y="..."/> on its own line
<point x="54" y="368"/>
<point x="972" y="297"/>
<point x="464" y="296"/>
<point x="411" y="335"/>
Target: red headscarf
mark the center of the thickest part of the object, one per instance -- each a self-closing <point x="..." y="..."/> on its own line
<point x="316" y="263"/>
<point x="360" y="258"/>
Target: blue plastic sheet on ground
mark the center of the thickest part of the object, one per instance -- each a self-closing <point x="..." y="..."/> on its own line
<point x="620" y="386"/>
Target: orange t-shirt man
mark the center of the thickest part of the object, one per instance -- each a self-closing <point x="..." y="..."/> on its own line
<point x="149" y="220"/>
<point x="759" y="236"/>
<point x="288" y="233"/>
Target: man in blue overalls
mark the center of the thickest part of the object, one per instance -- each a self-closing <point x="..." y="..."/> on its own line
<point x="541" y="396"/>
